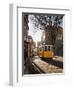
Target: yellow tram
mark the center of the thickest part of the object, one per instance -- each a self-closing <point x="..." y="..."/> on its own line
<point x="45" y="51"/>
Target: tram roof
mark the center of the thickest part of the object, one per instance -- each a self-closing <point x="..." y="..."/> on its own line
<point x="45" y="45"/>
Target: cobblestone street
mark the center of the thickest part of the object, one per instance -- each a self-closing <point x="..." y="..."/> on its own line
<point x="47" y="67"/>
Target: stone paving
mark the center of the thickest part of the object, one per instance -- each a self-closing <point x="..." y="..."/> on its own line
<point x="46" y="67"/>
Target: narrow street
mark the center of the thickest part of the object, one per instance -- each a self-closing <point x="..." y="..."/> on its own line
<point x="47" y="65"/>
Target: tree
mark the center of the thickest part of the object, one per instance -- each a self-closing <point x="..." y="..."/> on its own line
<point x="49" y="23"/>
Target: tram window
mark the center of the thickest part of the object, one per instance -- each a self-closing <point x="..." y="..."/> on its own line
<point x="45" y="48"/>
<point x="49" y="48"/>
<point x="40" y="49"/>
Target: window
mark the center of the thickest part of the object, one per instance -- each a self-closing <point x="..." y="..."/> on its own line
<point x="45" y="48"/>
<point x="49" y="48"/>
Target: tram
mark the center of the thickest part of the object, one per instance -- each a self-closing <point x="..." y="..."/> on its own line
<point x="45" y="51"/>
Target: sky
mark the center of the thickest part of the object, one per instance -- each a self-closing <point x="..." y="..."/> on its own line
<point x="36" y="34"/>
